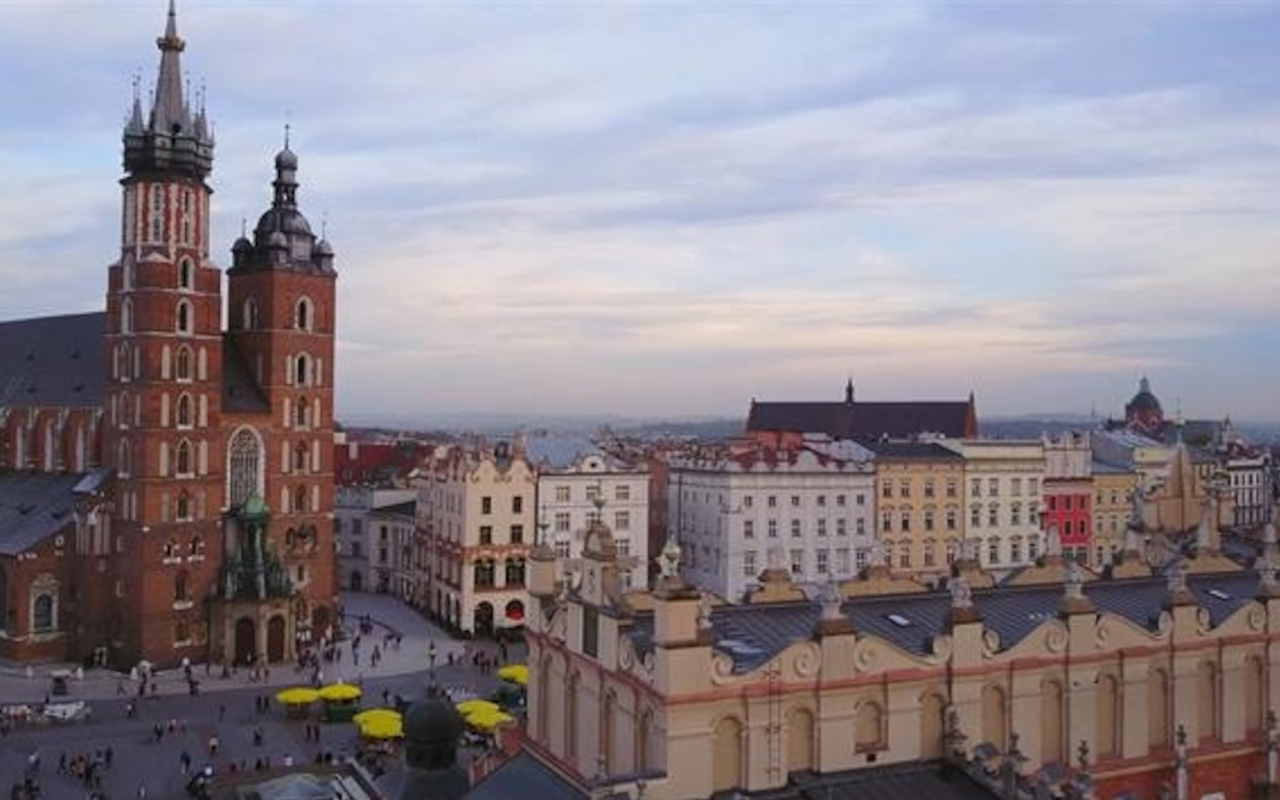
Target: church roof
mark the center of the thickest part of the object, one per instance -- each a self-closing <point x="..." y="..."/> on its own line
<point x="34" y="506"/>
<point x="934" y="780"/>
<point x="52" y="361"/>
<point x="864" y="421"/>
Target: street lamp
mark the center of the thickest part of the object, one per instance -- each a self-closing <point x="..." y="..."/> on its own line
<point x="432" y="688"/>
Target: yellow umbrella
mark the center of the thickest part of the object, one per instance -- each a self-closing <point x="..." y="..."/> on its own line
<point x="487" y="721"/>
<point x="382" y="728"/>
<point x="468" y="707"/>
<point x="377" y="715"/>
<point x="340" y="691"/>
<point x="297" y="696"/>
<point x="515" y="673"/>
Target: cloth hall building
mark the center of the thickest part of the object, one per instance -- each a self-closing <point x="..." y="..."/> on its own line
<point x="166" y="486"/>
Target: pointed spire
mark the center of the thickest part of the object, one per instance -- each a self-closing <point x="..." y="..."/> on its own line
<point x="170" y="107"/>
<point x="848" y="391"/>
<point x="171" y="25"/>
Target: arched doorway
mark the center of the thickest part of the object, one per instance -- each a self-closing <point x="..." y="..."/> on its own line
<point x="800" y="741"/>
<point x="483" y="622"/>
<point x="726" y="769"/>
<point x="357" y="582"/>
<point x="246" y="640"/>
<point x="275" y="639"/>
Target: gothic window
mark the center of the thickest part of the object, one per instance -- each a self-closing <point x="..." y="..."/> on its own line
<point x="126" y="316"/>
<point x="124" y="460"/>
<point x="185" y="321"/>
<point x="157" y="214"/>
<point x="300" y="499"/>
<point x="303" y="315"/>
<point x="184" y="507"/>
<point x="244" y="466"/>
<point x="186" y="274"/>
<point x="249" y="319"/>
<point x="186" y="219"/>
<point x="300" y="413"/>
<point x="43" y="613"/>
<point x="300" y="457"/>
<point x="183" y="461"/>
<point x="183" y="364"/>
<point x="184" y="411"/>
<point x="300" y="371"/>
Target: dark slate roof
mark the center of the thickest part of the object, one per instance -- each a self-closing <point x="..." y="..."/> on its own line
<point x="52" y="361"/>
<point x="407" y="509"/>
<point x="751" y="635"/>
<point x="240" y="392"/>
<point x="932" y="780"/>
<point x="524" y="775"/>
<point x="925" y="451"/>
<point x="864" y="421"/>
<point x="34" y="506"/>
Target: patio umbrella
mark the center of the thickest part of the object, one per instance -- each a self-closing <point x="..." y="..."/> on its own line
<point x="378" y="715"/>
<point x="488" y="721"/>
<point x="515" y="673"/>
<point x="297" y="696"/>
<point x="340" y="692"/>
<point x="468" y="707"/>
<point x="382" y="728"/>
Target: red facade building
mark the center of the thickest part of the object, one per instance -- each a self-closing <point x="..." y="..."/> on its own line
<point x="192" y="466"/>
<point x="1068" y="494"/>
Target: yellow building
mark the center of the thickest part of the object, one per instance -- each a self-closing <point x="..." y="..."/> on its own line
<point x="1112" y="506"/>
<point x="919" y="503"/>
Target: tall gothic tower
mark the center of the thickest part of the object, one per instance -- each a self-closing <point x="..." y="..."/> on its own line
<point x="164" y="356"/>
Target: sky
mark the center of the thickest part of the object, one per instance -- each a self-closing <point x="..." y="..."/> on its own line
<point x="668" y="209"/>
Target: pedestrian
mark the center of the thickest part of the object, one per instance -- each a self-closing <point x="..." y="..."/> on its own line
<point x="142" y="791"/>
<point x="213" y="746"/>
<point x="108" y="756"/>
<point x="222" y="711"/>
<point x="184" y="761"/>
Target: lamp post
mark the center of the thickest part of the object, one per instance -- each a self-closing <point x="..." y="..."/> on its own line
<point x="431" y="671"/>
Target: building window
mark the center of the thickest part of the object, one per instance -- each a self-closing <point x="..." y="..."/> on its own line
<point x="905" y="521"/>
<point x="183" y="506"/>
<point x="773" y="529"/>
<point x="748" y="501"/>
<point x="303" y="318"/>
<point x="840" y="500"/>
<point x="182" y="370"/>
<point x="904" y="555"/>
<point x="1015" y="549"/>
<point x="514" y="572"/>
<point x="562" y="549"/>
<point x="797" y="562"/>
<point x="842" y="528"/>
<point x="483" y="573"/>
<point x="1033" y="486"/>
<point x="951" y="487"/>
<point x="486" y="505"/>
<point x="886" y="490"/>
<point x="562" y="521"/>
<point x="795" y="501"/>
<point x="772" y="501"/>
<point x="861" y="526"/>
<point x="822" y="500"/>
<point x="249" y="316"/>
<point x="180" y="588"/>
<point x="1015" y="514"/>
<point x="186" y="274"/>
<point x="822" y="527"/>
<point x="562" y="494"/>
<point x="517" y="534"/>
<point x="886" y="522"/>
<point x="183" y="462"/>
<point x="517" y="504"/>
<point x="244" y="467"/>
<point x="1015" y="486"/>
<point x="928" y="520"/>
<point x="749" y="564"/>
<point x="184" y="411"/>
<point x="184" y="317"/>
<point x="486" y="534"/>
<point x="748" y="529"/>
<point x="300" y="500"/>
<point x="929" y="554"/>
<point x="795" y="528"/>
<point x="993" y="550"/>
<point x="993" y="487"/>
<point x="622" y="493"/>
<point x="928" y="487"/>
<point x="622" y="521"/>
<point x="823" y="564"/>
<point x="993" y="515"/>
<point x="975" y="487"/>
<point x="126" y="318"/>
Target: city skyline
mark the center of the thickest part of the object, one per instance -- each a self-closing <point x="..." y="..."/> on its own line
<point x="667" y="210"/>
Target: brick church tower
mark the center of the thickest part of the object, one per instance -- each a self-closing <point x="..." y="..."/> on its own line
<point x="221" y="442"/>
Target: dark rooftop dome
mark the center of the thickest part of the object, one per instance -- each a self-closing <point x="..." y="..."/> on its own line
<point x="432" y="721"/>
<point x="1144" y="400"/>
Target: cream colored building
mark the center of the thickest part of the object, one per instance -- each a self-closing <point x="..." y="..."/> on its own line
<point x="579" y="483"/>
<point x="1003" y="496"/>
<point x="477" y="513"/>
<point x="1112" y="506"/>
<point x="920" y="519"/>
<point x="667" y="697"/>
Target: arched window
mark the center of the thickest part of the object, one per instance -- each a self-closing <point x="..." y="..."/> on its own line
<point x="300" y="457"/>
<point x="186" y="274"/>
<point x="183" y="364"/>
<point x="869" y="727"/>
<point x="300" y="499"/>
<point x="300" y="371"/>
<point x="184" y="318"/>
<point x="249" y="317"/>
<point x="183" y="461"/>
<point x="180" y="587"/>
<point x="303" y="315"/>
<point x="244" y="467"/>
<point x="43" y="613"/>
<point x="196" y="547"/>
<point x="126" y="316"/>
<point x="300" y="413"/>
<point x="184" y="506"/>
<point x="184" y="411"/>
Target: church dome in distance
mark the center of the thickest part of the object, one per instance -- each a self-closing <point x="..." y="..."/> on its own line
<point x="1144" y="400"/>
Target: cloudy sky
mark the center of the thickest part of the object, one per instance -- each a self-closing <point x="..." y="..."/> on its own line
<point x="670" y="208"/>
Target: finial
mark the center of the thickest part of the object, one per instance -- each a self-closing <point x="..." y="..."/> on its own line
<point x="961" y="593"/>
<point x="324" y="225"/>
<point x="244" y="227"/>
<point x="137" y="85"/>
<point x="831" y="598"/>
<point x="287" y="126"/>
<point x="1073" y="585"/>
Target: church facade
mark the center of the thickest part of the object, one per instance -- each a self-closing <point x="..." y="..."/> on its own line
<point x="166" y="485"/>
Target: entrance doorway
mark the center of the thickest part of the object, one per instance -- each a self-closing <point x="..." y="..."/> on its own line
<point x="275" y="639"/>
<point x="483" y="619"/>
<point x="246" y="640"/>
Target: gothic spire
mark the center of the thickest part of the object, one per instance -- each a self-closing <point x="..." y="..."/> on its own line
<point x="170" y="110"/>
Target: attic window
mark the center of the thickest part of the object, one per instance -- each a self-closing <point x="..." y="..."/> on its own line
<point x="899" y="620"/>
<point x="1218" y="593"/>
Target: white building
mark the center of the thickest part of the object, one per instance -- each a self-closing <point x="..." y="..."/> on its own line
<point x="577" y="481"/>
<point x="809" y="509"/>
<point x="1004" y="492"/>
<point x="373" y="528"/>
